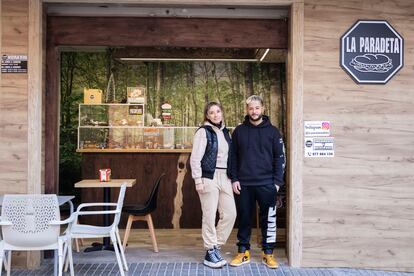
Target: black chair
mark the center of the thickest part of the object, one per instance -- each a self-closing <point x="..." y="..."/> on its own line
<point x="143" y="212"/>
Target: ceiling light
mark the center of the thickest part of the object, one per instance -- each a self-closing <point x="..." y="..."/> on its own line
<point x="264" y="55"/>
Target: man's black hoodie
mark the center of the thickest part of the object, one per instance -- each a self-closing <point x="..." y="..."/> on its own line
<point x="257" y="154"/>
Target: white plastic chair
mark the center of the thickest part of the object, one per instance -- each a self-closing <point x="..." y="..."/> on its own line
<point x="5" y="253"/>
<point x="79" y="231"/>
<point x="32" y="223"/>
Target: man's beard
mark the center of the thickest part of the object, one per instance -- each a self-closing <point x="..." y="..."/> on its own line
<point x="255" y="120"/>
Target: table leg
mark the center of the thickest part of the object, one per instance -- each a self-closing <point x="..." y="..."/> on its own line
<point x="107" y="198"/>
<point x="96" y="246"/>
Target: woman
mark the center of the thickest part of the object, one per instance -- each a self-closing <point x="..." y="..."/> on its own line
<point x="209" y="169"/>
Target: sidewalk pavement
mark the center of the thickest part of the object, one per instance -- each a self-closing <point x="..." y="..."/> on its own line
<point x="198" y="269"/>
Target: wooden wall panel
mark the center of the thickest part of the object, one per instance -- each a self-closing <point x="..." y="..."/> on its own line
<point x="358" y="206"/>
<point x="13" y="100"/>
<point x="34" y="98"/>
<point x="13" y="106"/>
<point x="14" y="26"/>
<point x="295" y="133"/>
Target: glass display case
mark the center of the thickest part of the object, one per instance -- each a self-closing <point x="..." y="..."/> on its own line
<point x="121" y="127"/>
<point x="111" y="114"/>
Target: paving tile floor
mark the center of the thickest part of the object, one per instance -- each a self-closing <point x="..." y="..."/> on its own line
<point x="198" y="269"/>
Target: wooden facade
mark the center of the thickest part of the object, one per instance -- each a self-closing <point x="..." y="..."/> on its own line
<point x="358" y="206"/>
<point x="355" y="210"/>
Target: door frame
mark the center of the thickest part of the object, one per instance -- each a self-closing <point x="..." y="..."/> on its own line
<point x="36" y="84"/>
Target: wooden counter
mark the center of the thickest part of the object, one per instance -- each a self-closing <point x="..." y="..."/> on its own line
<point x="178" y="205"/>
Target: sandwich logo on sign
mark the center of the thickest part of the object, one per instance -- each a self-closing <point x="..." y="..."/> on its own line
<point x="372" y="52"/>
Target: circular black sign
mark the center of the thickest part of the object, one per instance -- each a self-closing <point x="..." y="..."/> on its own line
<point x="371" y="52"/>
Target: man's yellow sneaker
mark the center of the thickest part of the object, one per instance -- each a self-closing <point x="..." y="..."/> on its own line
<point x="241" y="259"/>
<point x="269" y="260"/>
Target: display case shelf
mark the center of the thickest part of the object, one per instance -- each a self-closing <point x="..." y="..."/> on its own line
<point x="135" y="138"/>
<point x="120" y="128"/>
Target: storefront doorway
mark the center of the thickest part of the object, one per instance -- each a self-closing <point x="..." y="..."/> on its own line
<point x="66" y="32"/>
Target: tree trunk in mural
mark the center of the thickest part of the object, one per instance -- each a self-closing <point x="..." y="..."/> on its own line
<point x="108" y="64"/>
<point x="264" y="86"/>
<point x="205" y="75"/>
<point x="248" y="79"/>
<point x="187" y="95"/>
<point x="184" y="104"/>
<point x="238" y="92"/>
<point x="186" y="121"/>
<point x="67" y="77"/>
<point x="216" y="82"/>
<point x="232" y="108"/>
<point x="275" y="95"/>
<point x="274" y="105"/>
<point x="191" y="84"/>
<point x="109" y="68"/>
<point x="158" y="90"/>
<point x="164" y="88"/>
<point x="147" y="86"/>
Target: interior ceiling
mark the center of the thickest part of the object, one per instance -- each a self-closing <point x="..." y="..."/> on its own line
<point x="132" y="55"/>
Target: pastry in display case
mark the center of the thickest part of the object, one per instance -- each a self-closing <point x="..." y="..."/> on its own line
<point x="135" y="138"/>
<point x="126" y="114"/>
<point x="136" y="94"/>
<point x="153" y="138"/>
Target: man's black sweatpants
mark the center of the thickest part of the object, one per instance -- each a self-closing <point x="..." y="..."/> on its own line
<point x="265" y="195"/>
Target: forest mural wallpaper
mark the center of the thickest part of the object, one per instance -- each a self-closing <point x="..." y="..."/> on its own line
<point x="185" y="85"/>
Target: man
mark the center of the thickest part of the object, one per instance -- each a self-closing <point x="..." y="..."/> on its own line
<point x="257" y="167"/>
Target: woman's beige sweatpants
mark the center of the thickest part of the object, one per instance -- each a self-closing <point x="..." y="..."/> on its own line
<point x="218" y="194"/>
